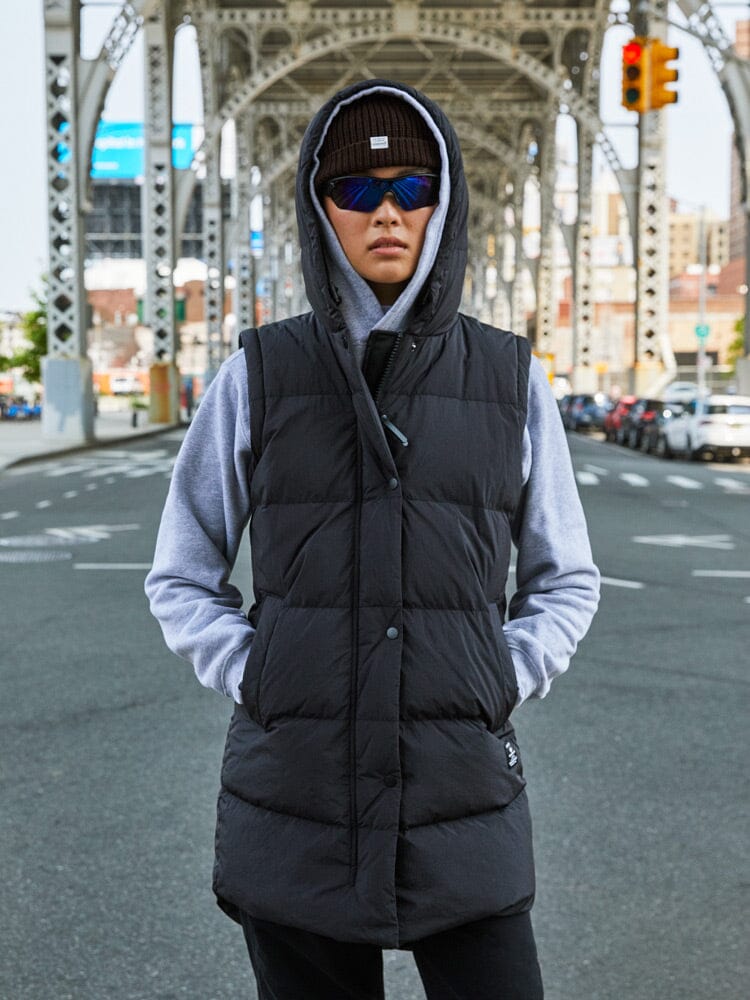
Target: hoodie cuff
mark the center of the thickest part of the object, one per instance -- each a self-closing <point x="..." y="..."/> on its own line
<point x="525" y="679"/>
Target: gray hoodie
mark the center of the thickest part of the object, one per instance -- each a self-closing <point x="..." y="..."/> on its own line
<point x="208" y="508"/>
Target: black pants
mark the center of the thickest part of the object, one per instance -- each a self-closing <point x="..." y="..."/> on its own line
<point x="493" y="959"/>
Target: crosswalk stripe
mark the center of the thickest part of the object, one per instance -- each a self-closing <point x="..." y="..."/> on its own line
<point x="633" y="479"/>
<point x="732" y="484"/>
<point x="684" y="483"/>
<point x="587" y="478"/>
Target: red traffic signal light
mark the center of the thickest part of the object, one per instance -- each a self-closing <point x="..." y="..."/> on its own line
<point x="636" y="75"/>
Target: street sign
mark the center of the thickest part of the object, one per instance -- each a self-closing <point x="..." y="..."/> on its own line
<point x="701" y="331"/>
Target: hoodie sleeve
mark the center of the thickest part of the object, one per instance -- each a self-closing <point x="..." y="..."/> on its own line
<point x="202" y="525"/>
<point x="557" y="583"/>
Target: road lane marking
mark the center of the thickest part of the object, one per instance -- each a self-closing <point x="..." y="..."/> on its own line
<point x="55" y="537"/>
<point x="69" y="494"/>
<point x="92" y="486"/>
<point x="139" y="566"/>
<point x="684" y="483"/>
<point x="732" y="485"/>
<point x="36" y="556"/>
<point x="42" y="504"/>
<point x="587" y="478"/>
<point x="9" y="515"/>
<point x="680" y="541"/>
<point x="628" y="584"/>
<point x="729" y="574"/>
<point x="66" y="470"/>
<point x="633" y="479"/>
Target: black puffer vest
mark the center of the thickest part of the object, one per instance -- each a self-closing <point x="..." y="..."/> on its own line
<point x="372" y="787"/>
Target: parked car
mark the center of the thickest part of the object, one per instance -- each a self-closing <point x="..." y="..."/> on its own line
<point x="613" y="419"/>
<point x="586" y="412"/>
<point x="652" y="434"/>
<point x="640" y="415"/>
<point x="680" y="392"/>
<point x="715" y="426"/>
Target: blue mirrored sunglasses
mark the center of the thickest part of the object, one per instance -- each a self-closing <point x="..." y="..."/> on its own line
<point x="364" y="194"/>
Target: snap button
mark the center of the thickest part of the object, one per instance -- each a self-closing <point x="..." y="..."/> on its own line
<point x="392" y="633"/>
<point x="392" y="483"/>
<point x="390" y="781"/>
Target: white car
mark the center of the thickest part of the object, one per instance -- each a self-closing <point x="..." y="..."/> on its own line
<point x="715" y="426"/>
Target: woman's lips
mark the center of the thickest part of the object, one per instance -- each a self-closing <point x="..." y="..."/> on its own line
<point x="387" y="247"/>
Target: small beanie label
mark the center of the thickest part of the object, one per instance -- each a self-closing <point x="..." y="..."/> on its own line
<point x="378" y="142"/>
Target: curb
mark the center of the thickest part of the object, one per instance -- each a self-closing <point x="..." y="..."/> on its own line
<point x="96" y="443"/>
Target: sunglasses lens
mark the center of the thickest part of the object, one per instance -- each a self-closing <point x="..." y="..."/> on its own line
<point x="356" y="194"/>
<point x="364" y="194"/>
<point x="416" y="191"/>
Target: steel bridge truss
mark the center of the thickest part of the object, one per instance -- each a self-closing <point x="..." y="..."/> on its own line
<point x="503" y="73"/>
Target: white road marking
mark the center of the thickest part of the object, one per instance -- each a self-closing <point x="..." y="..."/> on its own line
<point x="729" y="574"/>
<point x="56" y="537"/>
<point x="732" y="485"/>
<point x="110" y="480"/>
<point x="140" y="473"/>
<point x="587" y="478"/>
<point x="91" y="486"/>
<point x="69" y="494"/>
<point x="680" y="541"/>
<point x="42" y="504"/>
<point x="91" y="533"/>
<point x="628" y="584"/>
<point x="107" y="470"/>
<point x="139" y="566"/>
<point x="684" y="483"/>
<point x="9" y="515"/>
<point x="633" y="479"/>
<point x="66" y="470"/>
<point x="35" y="556"/>
<point x="597" y="470"/>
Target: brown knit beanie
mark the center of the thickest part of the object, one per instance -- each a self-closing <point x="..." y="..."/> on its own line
<point x="379" y="130"/>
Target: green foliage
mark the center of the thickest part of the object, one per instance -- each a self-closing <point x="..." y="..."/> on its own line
<point x="34" y="326"/>
<point x="736" y="349"/>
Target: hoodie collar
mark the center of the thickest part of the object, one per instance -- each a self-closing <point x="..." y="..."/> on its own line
<point x="338" y="295"/>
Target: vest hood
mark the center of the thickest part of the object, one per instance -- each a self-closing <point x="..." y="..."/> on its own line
<point x="431" y="300"/>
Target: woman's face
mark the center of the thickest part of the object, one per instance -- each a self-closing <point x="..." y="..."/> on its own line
<point x="383" y="246"/>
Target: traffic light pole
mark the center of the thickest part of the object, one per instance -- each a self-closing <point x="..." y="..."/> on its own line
<point x="651" y="342"/>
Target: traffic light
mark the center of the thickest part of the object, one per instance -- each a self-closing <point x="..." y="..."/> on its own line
<point x="661" y="74"/>
<point x="636" y="75"/>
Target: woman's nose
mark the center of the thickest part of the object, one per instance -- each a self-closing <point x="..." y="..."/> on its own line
<point x="387" y="210"/>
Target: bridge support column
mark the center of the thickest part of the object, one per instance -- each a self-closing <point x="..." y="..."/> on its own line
<point x="68" y="410"/>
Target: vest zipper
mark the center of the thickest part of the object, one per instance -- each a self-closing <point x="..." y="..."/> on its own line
<point x="388" y="366"/>
<point x="354" y="680"/>
<point x="394" y="430"/>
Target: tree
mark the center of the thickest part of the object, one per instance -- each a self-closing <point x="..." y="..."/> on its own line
<point x="736" y="349"/>
<point x="34" y="326"/>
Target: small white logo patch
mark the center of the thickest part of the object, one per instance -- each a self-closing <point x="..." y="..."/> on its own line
<point x="511" y="753"/>
<point x="378" y="142"/>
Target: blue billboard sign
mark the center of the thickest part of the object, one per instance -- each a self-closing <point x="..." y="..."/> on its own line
<point x="118" y="149"/>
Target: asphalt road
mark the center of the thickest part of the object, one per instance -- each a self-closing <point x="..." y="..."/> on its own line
<point x="110" y="750"/>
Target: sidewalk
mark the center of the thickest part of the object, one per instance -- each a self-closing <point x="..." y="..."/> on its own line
<point x="22" y="440"/>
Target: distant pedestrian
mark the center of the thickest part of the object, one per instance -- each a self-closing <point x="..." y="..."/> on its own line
<point x="388" y="452"/>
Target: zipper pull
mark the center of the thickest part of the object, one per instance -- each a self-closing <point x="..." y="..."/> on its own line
<point x="394" y="430"/>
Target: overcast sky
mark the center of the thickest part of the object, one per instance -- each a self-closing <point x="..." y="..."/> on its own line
<point x="699" y="128"/>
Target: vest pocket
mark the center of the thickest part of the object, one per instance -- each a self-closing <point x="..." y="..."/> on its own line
<point x="508" y="682"/>
<point x="268" y="616"/>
